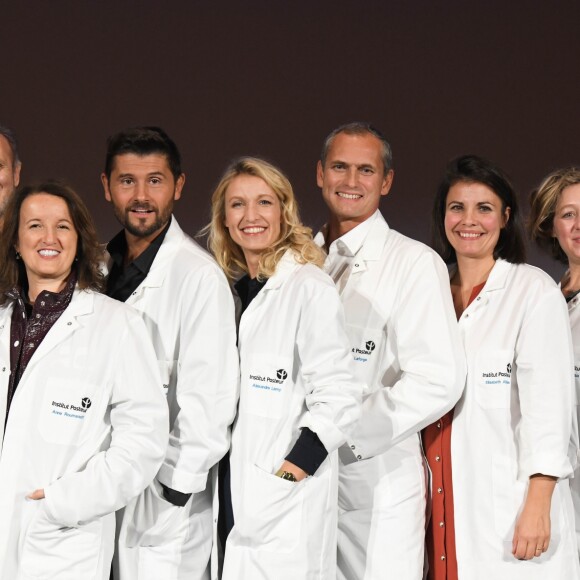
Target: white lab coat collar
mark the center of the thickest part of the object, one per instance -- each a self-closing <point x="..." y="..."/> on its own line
<point x="365" y="241"/>
<point x="497" y="278"/>
<point x="284" y="269"/>
<point x="82" y="303"/>
<point x="286" y="266"/>
<point x="173" y="239"/>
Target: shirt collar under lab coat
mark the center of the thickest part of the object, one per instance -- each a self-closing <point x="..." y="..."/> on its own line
<point x="365" y="240"/>
<point x="166" y="253"/>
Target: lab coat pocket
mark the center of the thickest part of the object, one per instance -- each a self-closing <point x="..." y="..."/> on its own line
<point x="67" y="404"/>
<point x="493" y="376"/>
<point x="53" y="551"/>
<point x="508" y="495"/>
<point x="268" y="385"/>
<point x="155" y="520"/>
<point x="270" y="517"/>
<point x="366" y="348"/>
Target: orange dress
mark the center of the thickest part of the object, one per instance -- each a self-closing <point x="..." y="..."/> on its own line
<point x="440" y="532"/>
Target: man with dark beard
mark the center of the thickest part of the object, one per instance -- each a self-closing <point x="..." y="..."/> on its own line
<point x="188" y="308"/>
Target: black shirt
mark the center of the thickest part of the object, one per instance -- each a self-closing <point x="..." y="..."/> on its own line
<point x="123" y="281"/>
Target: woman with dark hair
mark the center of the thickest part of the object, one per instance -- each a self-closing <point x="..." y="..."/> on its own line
<point x="298" y="394"/>
<point x="85" y="421"/>
<point x="555" y="227"/>
<point x="500" y="507"/>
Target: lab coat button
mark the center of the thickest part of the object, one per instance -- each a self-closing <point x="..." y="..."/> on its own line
<point x="352" y="446"/>
<point x="467" y="316"/>
<point x="3" y="369"/>
<point x="69" y="323"/>
<point x="359" y="456"/>
<point x="437" y="458"/>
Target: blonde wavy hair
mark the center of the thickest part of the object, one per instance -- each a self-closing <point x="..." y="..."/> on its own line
<point x="293" y="234"/>
<point x="543" y="209"/>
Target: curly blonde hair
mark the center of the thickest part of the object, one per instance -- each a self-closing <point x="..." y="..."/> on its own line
<point x="543" y="209"/>
<point x="293" y="234"/>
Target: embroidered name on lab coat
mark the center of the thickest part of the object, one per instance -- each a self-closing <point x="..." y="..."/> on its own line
<point x="71" y="410"/>
<point x="363" y="354"/>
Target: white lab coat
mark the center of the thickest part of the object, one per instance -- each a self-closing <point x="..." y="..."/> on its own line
<point x="406" y="347"/>
<point x="188" y="309"/>
<point x="296" y="371"/>
<point x="514" y="420"/>
<point x="574" y="313"/>
<point x="91" y="457"/>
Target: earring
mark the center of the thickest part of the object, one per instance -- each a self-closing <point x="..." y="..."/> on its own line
<point x="18" y="256"/>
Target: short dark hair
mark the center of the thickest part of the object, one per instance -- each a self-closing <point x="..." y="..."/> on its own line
<point x="360" y="128"/>
<point x="473" y="169"/>
<point x="89" y="253"/>
<point x="8" y="134"/>
<point x="143" y="141"/>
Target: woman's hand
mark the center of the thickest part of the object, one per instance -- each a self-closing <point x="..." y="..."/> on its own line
<point x="36" y="494"/>
<point x="532" y="533"/>
<point x="298" y="473"/>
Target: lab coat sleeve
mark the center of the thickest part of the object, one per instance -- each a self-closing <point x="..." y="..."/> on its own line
<point x="430" y="356"/>
<point x="139" y="421"/>
<point x="333" y="394"/>
<point x="207" y="382"/>
<point x="544" y="363"/>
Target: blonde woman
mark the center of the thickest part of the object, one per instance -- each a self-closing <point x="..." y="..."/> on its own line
<point x="555" y="226"/>
<point x="298" y="396"/>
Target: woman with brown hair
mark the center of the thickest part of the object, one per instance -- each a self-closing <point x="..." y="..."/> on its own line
<point x="501" y="505"/>
<point x="85" y="419"/>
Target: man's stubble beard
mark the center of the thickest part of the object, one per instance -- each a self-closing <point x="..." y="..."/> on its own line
<point x="161" y="219"/>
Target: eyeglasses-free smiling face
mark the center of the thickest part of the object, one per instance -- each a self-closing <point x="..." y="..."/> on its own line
<point x="253" y="215"/>
<point x="142" y="190"/>
<point x="474" y="219"/>
<point x="352" y="179"/>
<point x="567" y="222"/>
<point x="47" y="240"/>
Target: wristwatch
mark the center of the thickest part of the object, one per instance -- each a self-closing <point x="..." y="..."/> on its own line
<point x="286" y="475"/>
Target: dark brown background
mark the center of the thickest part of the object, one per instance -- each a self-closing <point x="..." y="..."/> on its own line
<point x="272" y="78"/>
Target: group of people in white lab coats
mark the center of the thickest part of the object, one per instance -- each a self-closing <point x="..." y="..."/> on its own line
<point x="381" y="409"/>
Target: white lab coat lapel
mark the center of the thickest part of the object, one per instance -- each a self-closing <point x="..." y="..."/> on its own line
<point x="80" y="305"/>
<point x="496" y="282"/>
<point x="284" y="269"/>
<point x="163" y="259"/>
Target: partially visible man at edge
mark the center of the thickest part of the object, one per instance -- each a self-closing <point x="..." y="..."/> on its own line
<point x="403" y="332"/>
<point x="188" y="308"/>
<point x="10" y="166"/>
